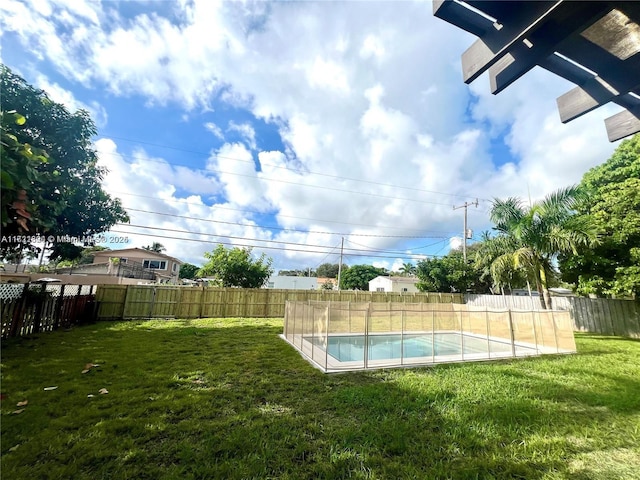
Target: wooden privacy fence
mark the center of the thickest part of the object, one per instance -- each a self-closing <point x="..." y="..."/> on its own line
<point x="117" y="302"/>
<point x="606" y="315"/>
<point x="596" y="315"/>
<point x="33" y="308"/>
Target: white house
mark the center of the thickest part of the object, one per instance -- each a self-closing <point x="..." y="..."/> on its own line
<point x="292" y="283"/>
<point x="393" y="284"/>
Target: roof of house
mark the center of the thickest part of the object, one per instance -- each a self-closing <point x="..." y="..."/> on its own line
<point x="399" y="279"/>
<point x="121" y="252"/>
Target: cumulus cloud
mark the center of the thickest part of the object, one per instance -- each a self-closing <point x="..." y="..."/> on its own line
<point x="380" y="134"/>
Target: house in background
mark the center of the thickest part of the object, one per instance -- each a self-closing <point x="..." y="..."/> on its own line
<point x="394" y="284"/>
<point x="129" y="266"/>
<point x="139" y="263"/>
<point x="292" y="283"/>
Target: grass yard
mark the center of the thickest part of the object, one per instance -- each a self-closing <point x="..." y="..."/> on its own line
<point x="228" y="399"/>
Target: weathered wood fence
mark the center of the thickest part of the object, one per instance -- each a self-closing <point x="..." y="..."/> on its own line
<point x="597" y="315"/>
<point x="32" y="308"/>
<point x="147" y="301"/>
<point x="44" y="307"/>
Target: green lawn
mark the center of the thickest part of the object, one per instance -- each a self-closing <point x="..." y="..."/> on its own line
<point x="228" y="399"/>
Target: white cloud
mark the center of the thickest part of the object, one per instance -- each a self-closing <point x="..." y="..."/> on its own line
<point x="60" y="95"/>
<point x="215" y="129"/>
<point x="358" y="90"/>
<point x="246" y="131"/>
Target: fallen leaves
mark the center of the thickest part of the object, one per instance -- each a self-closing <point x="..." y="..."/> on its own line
<point x="103" y="391"/>
<point x="89" y="366"/>
<point x="24" y="403"/>
<point x="17" y="412"/>
<point x="47" y="389"/>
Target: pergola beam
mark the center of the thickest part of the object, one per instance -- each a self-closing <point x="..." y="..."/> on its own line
<point x="622" y="124"/>
<point x="594" y="44"/>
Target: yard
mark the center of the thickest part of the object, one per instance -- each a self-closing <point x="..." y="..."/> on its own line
<point x="227" y="398"/>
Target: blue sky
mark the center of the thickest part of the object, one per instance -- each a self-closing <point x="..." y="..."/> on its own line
<point x="290" y="125"/>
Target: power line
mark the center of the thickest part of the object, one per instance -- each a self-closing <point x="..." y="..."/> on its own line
<point x="261" y="247"/>
<point x="272" y="227"/>
<point x="184" y="202"/>
<point x="288" y="182"/>
<point x="309" y="172"/>
<point x="253" y="239"/>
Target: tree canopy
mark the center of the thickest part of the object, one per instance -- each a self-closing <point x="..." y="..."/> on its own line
<point x="328" y="270"/>
<point x="451" y="274"/>
<point x="613" y="205"/>
<point x="533" y="236"/>
<point x="235" y="267"/>
<point x="51" y="181"/>
<point x="155" y="247"/>
<point x="358" y="277"/>
<point x="188" y="271"/>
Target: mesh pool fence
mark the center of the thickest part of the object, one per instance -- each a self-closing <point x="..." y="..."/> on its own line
<point x="343" y="336"/>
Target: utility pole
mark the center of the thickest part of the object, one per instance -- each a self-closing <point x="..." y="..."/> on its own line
<point x="465" y="231"/>
<point x="340" y="264"/>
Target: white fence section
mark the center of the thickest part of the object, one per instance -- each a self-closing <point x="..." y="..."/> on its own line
<point x="344" y="336"/>
<point x="607" y="316"/>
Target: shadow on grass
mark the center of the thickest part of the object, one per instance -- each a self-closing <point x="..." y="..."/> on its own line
<point x="229" y="399"/>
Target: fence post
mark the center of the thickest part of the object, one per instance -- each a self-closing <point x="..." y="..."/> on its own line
<point x="58" y="311"/>
<point x="153" y="302"/>
<point x="18" y="313"/>
<point x="513" y="339"/>
<point x="39" y="305"/>
<point x="96" y="305"/>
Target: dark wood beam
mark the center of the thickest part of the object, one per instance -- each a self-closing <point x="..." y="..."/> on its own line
<point x="462" y="17"/>
<point x="492" y="46"/>
<point x="567" y="22"/>
<point x="623" y="124"/>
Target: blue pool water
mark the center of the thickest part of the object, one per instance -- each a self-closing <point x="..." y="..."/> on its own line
<point x="381" y="347"/>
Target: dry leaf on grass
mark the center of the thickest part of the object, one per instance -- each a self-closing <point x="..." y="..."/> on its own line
<point x="49" y="388"/>
<point x="103" y="391"/>
<point x="89" y="366"/>
<point x="17" y="412"/>
<point x="90" y="396"/>
<point x="22" y="404"/>
<point x="14" y="448"/>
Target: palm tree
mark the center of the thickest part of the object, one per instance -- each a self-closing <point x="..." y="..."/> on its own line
<point x="534" y="236"/>
<point x="155" y="247"/>
<point x="408" y="269"/>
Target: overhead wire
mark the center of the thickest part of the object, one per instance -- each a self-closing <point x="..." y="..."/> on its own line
<point x="233" y="237"/>
<point x="268" y="227"/>
<point x="308" y="172"/>
<point x="263" y="247"/>
<point x="184" y="202"/>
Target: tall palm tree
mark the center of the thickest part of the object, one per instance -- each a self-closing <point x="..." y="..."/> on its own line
<point x="408" y="269"/>
<point x="535" y="235"/>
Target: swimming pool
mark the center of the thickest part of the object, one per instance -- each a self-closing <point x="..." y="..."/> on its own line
<point x="351" y="348"/>
<point x="345" y="336"/>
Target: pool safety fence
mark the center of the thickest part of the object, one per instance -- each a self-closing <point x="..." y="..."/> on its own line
<point x="343" y="336"/>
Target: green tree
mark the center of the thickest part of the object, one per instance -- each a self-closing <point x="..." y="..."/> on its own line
<point x="502" y="274"/>
<point x="235" y="267"/>
<point x="358" y="277"/>
<point x="327" y="285"/>
<point x="155" y="247"/>
<point x="328" y="270"/>
<point x="408" y="269"/>
<point x="446" y="274"/>
<point x="188" y="271"/>
<point x="613" y="205"/>
<point x="49" y="169"/>
<point x="533" y="236"/>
